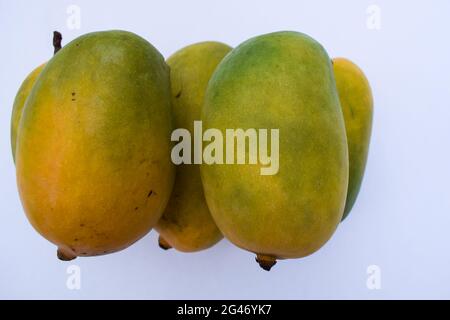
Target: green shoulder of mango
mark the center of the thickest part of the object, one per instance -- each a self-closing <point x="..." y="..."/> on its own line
<point x="187" y="224"/>
<point x="357" y="105"/>
<point x="284" y="81"/>
<point x="92" y="150"/>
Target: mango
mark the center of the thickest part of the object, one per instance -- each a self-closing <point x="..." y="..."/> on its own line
<point x="186" y="224"/>
<point x="93" y="148"/>
<point x="357" y="106"/>
<point x="19" y="102"/>
<point x="282" y="80"/>
<point x="24" y="92"/>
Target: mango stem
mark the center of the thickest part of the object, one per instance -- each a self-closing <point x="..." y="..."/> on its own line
<point x="163" y="244"/>
<point x="64" y="254"/>
<point x="57" y="38"/>
<point x="265" y="262"/>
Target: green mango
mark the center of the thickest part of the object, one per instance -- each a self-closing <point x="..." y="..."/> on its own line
<point x="357" y="106"/>
<point x="282" y="80"/>
<point x="93" y="162"/>
<point x="19" y="102"/>
<point x="186" y="224"/>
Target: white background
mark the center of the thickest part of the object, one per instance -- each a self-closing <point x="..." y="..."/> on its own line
<point x="401" y="221"/>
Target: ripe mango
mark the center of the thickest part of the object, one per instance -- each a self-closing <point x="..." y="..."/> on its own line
<point x="357" y="106"/>
<point x="19" y="102"/>
<point x="187" y="224"/>
<point x="24" y="92"/>
<point x="93" y="147"/>
<point x="281" y="80"/>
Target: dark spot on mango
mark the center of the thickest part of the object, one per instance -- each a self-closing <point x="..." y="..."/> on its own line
<point x="150" y="193"/>
<point x="178" y="94"/>
<point x="136" y="209"/>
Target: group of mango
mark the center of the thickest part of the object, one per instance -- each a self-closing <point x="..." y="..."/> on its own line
<point x="91" y="130"/>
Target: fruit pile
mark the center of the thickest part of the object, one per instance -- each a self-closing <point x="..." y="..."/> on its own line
<point x="91" y="139"/>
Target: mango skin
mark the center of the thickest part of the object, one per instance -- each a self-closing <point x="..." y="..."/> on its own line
<point x="19" y="102"/>
<point x="357" y="106"/>
<point x="284" y="81"/>
<point x="93" y="150"/>
<point x="186" y="224"/>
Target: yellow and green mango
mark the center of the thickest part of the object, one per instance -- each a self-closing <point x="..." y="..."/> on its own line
<point x="19" y="102"/>
<point x="93" y="144"/>
<point x="281" y="80"/>
<point x="357" y="106"/>
<point x="186" y="224"/>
